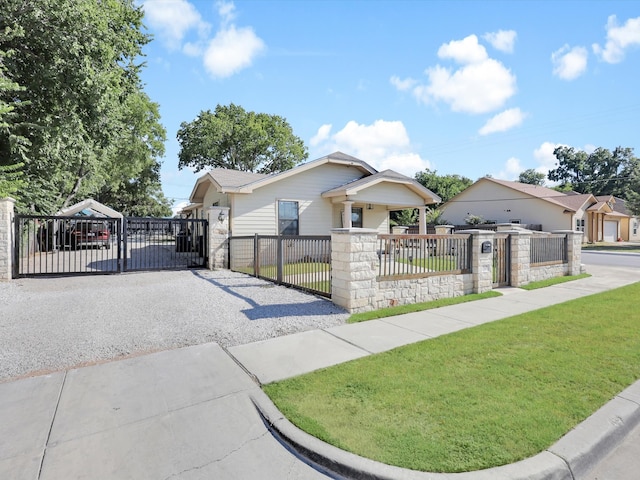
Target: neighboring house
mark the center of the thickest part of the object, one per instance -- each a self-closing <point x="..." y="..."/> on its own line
<point x="503" y="201"/>
<point x="336" y="191"/>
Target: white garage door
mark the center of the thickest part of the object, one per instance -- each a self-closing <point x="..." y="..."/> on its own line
<point x="610" y="231"/>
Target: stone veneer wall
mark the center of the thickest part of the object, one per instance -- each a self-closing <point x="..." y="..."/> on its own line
<point x="426" y="289"/>
<point x="6" y="238"/>
<point x="355" y="263"/>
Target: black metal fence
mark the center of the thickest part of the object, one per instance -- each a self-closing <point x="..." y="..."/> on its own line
<point x="67" y="245"/>
<point x="302" y="262"/>
<point x="423" y="255"/>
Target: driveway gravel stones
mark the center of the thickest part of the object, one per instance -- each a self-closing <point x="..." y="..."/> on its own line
<point x="49" y="324"/>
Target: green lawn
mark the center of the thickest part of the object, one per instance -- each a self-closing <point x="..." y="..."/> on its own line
<point x="271" y="271"/>
<point x="418" y="307"/>
<point x="478" y="398"/>
<point x="612" y="247"/>
<point x="553" y="281"/>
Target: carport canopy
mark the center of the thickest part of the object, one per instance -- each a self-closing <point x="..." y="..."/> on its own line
<point x="89" y="207"/>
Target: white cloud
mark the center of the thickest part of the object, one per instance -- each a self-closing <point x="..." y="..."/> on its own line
<point x="503" y="121"/>
<point x="323" y="134"/>
<point x="402" y="85"/>
<point x="569" y="63"/>
<point x="619" y="39"/>
<point x="173" y="19"/>
<point x="227" y="12"/>
<point x="232" y="50"/>
<point x="545" y="157"/>
<point x="503" y="40"/>
<point x="464" y="51"/>
<point x="511" y="170"/>
<point x="480" y="85"/>
<point x="383" y="144"/>
<point x="476" y="88"/>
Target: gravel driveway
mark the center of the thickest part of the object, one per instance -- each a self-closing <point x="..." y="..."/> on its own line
<point x="49" y="324"/>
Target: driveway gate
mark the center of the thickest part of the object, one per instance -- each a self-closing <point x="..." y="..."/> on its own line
<point x="83" y="245"/>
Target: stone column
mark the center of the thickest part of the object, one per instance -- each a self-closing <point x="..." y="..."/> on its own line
<point x="520" y="257"/>
<point x="574" y="250"/>
<point x="444" y="229"/>
<point x="6" y="238"/>
<point x="218" y="237"/>
<point x="481" y="263"/>
<point x="354" y="268"/>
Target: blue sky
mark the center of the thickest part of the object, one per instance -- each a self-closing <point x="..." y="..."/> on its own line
<point x="460" y="87"/>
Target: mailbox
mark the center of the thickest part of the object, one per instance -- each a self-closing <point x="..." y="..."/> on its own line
<point x="487" y="247"/>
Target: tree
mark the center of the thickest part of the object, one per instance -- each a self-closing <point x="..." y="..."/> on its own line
<point x="532" y="177"/>
<point x="601" y="172"/>
<point x="236" y="139"/>
<point x="75" y="112"/>
<point x="445" y="186"/>
<point x="406" y="217"/>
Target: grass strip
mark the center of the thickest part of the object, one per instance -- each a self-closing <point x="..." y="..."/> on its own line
<point x="477" y="398"/>
<point x="553" y="281"/>
<point x="418" y="307"/>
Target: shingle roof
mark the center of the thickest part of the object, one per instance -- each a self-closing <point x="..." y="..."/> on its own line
<point x="386" y="175"/>
<point x="570" y="200"/>
<point x="234" y="178"/>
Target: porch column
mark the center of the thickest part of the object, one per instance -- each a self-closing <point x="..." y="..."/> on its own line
<point x="346" y="215"/>
<point x="6" y="238"/>
<point x="422" y="220"/>
<point x="218" y="234"/>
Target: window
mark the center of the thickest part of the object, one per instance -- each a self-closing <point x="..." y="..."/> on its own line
<point x="635" y="228"/>
<point x="356" y="217"/>
<point x="580" y="224"/>
<point x="287" y="218"/>
<point x="515" y="220"/>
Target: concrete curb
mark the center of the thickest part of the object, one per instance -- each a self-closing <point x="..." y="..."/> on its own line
<point x="571" y="458"/>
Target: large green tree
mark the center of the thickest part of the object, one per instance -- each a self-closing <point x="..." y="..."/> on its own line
<point x="75" y="63"/>
<point x="602" y="172"/>
<point x="233" y="138"/>
<point x="445" y="186"/>
<point x="532" y="177"/>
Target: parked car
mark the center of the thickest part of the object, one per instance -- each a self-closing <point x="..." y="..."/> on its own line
<point x="88" y="234"/>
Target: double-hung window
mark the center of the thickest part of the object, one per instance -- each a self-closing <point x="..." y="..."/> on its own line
<point x="288" y="218"/>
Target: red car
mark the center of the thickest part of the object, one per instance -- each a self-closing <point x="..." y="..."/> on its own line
<point x="89" y="234"/>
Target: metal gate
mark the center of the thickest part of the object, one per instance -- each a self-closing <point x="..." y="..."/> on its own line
<point x="84" y="245"/>
<point x="501" y="260"/>
<point x="164" y="243"/>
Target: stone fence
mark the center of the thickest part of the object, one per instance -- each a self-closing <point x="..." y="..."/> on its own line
<point x="357" y="287"/>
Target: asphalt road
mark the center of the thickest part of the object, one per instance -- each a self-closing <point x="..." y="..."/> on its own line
<point x="612" y="259"/>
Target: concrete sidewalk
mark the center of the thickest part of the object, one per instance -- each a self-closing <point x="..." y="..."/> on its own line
<point x="195" y="413"/>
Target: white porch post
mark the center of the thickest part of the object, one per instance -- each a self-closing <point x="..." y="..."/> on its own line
<point x="346" y="216"/>
<point x="422" y="220"/>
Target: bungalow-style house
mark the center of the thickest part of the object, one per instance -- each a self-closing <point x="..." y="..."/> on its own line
<point x="503" y="201"/>
<point x="335" y="191"/>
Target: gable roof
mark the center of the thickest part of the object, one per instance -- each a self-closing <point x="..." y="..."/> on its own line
<point x="89" y="207"/>
<point x="389" y="176"/>
<point x="235" y="181"/>
<point x="568" y="200"/>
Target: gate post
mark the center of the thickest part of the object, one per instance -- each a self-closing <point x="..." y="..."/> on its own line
<point x="6" y="238"/>
<point x="481" y="259"/>
<point x="520" y="257"/>
<point x="218" y="241"/>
